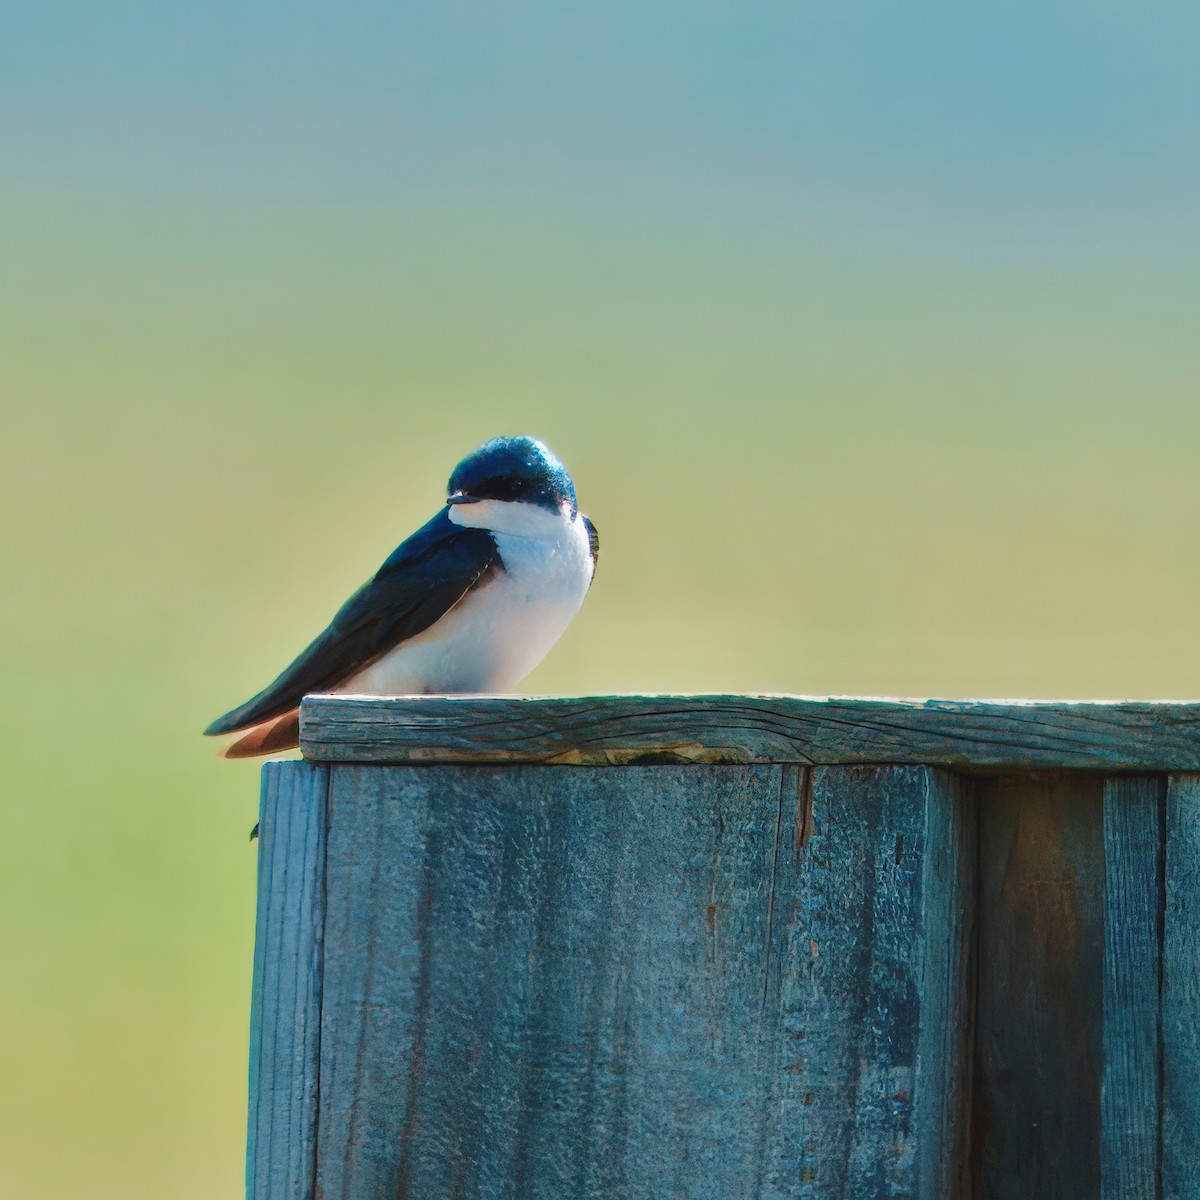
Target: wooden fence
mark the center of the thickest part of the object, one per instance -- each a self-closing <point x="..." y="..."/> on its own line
<point x="729" y="947"/>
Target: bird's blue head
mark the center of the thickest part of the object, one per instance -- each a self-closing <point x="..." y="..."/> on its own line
<point x="513" y="468"/>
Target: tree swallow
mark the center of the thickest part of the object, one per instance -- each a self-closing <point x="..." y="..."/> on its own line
<point x="471" y="602"/>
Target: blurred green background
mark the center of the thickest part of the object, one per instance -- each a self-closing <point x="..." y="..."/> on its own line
<point x="869" y="334"/>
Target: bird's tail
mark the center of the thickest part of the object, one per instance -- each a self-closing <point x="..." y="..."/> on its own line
<point x="281" y="733"/>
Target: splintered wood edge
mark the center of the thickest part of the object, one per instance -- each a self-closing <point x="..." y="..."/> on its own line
<point x="647" y="729"/>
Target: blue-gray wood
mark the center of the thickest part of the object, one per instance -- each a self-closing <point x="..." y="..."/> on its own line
<point x="1130" y="1139"/>
<point x="947" y="928"/>
<point x="1039" y="1016"/>
<point x="616" y="730"/>
<point x="779" y="953"/>
<point x="1181" y="992"/>
<point x="286" y="1000"/>
<point x="700" y="982"/>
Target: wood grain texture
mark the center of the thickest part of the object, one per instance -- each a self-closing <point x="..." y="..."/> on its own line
<point x="1181" y="992"/>
<point x="286" y="999"/>
<point x="1039" y="1012"/>
<point x="947" y="927"/>
<point x="618" y="730"/>
<point x="703" y="982"/>
<point x="874" y="988"/>
<point x="1130" y="1098"/>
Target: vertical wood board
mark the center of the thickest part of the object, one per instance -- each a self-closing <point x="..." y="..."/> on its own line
<point x="1039" y="1014"/>
<point x="286" y="998"/>
<point x="1130" y="1098"/>
<point x="874" y="975"/>
<point x="947" y="926"/>
<point x="657" y="982"/>
<point x="1181" y="992"/>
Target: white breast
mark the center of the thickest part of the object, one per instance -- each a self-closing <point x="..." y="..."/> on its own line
<point x="499" y="632"/>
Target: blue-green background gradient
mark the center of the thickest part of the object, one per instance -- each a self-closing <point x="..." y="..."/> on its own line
<point x="869" y="333"/>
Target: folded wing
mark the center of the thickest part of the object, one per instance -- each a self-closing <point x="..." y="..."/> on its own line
<point x="421" y="581"/>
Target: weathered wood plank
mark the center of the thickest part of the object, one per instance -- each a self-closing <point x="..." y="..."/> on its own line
<point x="1130" y="1092"/>
<point x="1181" y="992"/>
<point x="947" y="928"/>
<point x="1039" y="1008"/>
<point x="875" y="987"/>
<point x="286" y="997"/>
<point x="653" y="983"/>
<point x="615" y="730"/>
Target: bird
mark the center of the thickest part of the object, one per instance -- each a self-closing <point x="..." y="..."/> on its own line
<point x="471" y="602"/>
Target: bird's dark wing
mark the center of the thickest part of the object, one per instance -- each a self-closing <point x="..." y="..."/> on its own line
<point x="594" y="543"/>
<point x="424" y="578"/>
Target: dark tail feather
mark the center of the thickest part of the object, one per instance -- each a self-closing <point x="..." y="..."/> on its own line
<point x="271" y="737"/>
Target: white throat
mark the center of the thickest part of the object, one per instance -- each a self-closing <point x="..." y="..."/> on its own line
<point x="514" y="517"/>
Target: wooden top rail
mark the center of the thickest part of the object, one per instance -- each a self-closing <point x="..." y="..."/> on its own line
<point x="650" y="729"/>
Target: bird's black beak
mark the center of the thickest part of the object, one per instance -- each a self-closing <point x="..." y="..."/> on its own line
<point x="461" y="498"/>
